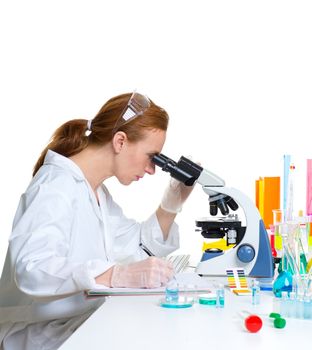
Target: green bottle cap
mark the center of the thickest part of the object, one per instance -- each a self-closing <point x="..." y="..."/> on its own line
<point x="274" y="315"/>
<point x="279" y="322"/>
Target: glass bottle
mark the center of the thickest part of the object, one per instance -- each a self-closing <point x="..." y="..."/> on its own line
<point x="255" y="290"/>
<point x="220" y="295"/>
<point x="172" y="291"/>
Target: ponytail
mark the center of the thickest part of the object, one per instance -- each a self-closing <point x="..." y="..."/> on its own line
<point x="68" y="140"/>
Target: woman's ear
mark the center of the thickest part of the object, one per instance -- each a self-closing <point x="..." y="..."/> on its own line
<point x="119" y="140"/>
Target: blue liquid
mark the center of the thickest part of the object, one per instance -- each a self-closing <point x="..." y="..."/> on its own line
<point x="211" y="301"/>
<point x="220" y="298"/>
<point x="179" y="304"/>
<point x="283" y="283"/>
<point x="172" y="294"/>
<point x="255" y="295"/>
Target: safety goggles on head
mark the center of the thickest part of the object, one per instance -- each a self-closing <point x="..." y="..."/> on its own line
<point x="135" y="107"/>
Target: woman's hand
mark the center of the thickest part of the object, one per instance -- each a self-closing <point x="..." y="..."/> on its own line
<point x="174" y="196"/>
<point x="152" y="272"/>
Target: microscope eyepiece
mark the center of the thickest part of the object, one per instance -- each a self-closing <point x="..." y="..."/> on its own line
<point x="161" y="160"/>
<point x="184" y="170"/>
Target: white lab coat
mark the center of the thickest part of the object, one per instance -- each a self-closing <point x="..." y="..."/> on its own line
<point x="61" y="240"/>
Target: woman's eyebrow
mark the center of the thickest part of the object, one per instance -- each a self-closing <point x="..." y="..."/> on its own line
<point x="152" y="153"/>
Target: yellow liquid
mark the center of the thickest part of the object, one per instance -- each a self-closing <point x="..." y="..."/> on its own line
<point x="278" y="242"/>
<point x="309" y="265"/>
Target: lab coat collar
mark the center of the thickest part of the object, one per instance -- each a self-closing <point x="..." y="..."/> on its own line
<point x="65" y="163"/>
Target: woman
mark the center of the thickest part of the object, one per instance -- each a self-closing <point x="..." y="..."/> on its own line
<point x="70" y="236"/>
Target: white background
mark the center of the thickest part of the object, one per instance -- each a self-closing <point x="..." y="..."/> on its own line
<point x="234" y="76"/>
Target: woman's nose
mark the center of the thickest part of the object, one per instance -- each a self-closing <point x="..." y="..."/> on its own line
<point x="150" y="169"/>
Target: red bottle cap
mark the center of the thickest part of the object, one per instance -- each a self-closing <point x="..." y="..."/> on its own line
<point x="253" y="323"/>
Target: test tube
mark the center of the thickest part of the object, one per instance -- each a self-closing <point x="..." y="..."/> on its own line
<point x="277" y="221"/>
<point x="290" y="194"/>
<point x="220" y="295"/>
<point x="295" y="285"/>
<point x="300" y="305"/>
<point x="292" y="304"/>
<point x="309" y="232"/>
<point x="285" y="304"/>
<point x="309" y="188"/>
<point x="306" y="307"/>
<point x="287" y="160"/>
<point x="255" y="290"/>
<point x="272" y="241"/>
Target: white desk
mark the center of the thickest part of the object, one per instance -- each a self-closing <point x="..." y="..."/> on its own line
<point x="139" y="323"/>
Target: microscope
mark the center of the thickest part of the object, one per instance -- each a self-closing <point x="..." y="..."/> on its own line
<point x="246" y="247"/>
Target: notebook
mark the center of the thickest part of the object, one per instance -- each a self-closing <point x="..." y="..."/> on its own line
<point x="188" y="281"/>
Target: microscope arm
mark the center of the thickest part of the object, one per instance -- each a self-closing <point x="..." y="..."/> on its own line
<point x="209" y="179"/>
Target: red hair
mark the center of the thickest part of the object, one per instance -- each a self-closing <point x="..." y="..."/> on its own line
<point x="70" y="138"/>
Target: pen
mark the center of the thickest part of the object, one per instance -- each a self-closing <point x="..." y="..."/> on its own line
<point x="147" y="251"/>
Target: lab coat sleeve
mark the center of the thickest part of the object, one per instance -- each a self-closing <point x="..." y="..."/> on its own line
<point x="152" y="237"/>
<point x="40" y="247"/>
<point x="130" y="233"/>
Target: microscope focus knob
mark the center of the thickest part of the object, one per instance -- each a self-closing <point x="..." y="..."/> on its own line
<point x="246" y="253"/>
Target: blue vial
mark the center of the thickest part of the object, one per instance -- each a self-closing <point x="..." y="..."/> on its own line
<point x="285" y="304"/>
<point x="172" y="291"/>
<point x="300" y="305"/>
<point x="306" y="307"/>
<point x="295" y="285"/>
<point x="292" y="305"/>
<point x="220" y="296"/>
<point x="255" y="290"/>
